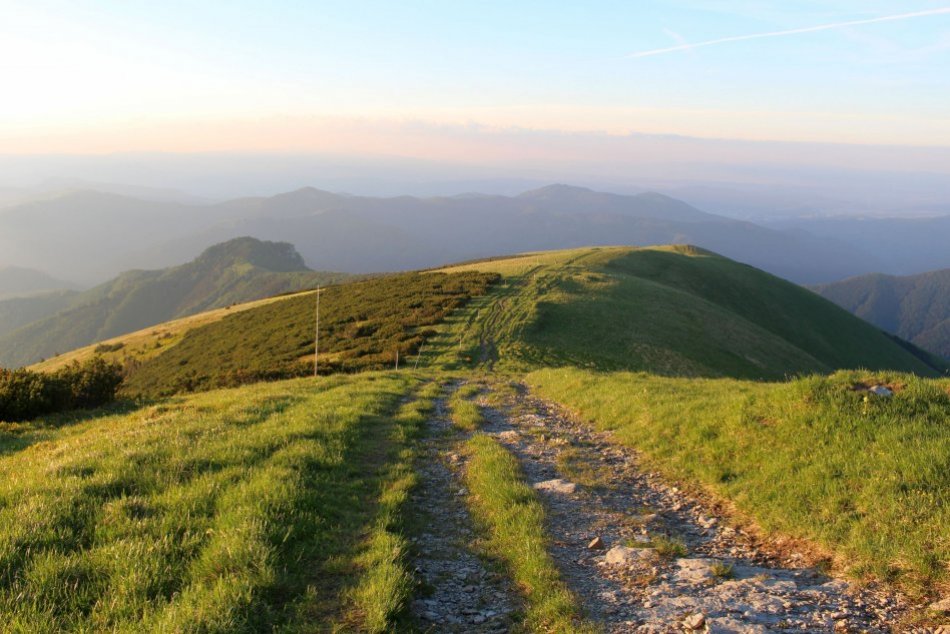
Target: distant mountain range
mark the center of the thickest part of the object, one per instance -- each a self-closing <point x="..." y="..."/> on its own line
<point x="19" y="282"/>
<point x="915" y="307"/>
<point x="237" y="271"/>
<point x="900" y="246"/>
<point x="92" y="235"/>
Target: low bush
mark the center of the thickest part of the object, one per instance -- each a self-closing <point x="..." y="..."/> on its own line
<point x="24" y="394"/>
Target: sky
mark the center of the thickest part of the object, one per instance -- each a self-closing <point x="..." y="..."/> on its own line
<point x="414" y="77"/>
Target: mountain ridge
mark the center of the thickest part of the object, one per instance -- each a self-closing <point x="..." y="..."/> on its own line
<point x="913" y="307"/>
<point x="240" y="270"/>
<point x="361" y="234"/>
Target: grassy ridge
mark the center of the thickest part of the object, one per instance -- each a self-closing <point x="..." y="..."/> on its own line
<point x="675" y="311"/>
<point x="515" y="522"/>
<point x="231" y="511"/>
<point x="811" y="457"/>
<point x="363" y="325"/>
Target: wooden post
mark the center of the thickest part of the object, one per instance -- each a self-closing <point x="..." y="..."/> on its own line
<point x="316" y="339"/>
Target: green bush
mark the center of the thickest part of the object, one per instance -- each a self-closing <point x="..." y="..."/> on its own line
<point x="24" y="394"/>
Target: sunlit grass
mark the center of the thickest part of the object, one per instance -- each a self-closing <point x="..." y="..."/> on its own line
<point x="238" y="510"/>
<point x="514" y="520"/>
<point x="465" y="413"/>
<point x="865" y="476"/>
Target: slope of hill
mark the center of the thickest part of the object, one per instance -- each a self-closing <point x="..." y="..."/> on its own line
<point x="20" y="282"/>
<point x="915" y="307"/>
<point x="677" y="311"/>
<point x="248" y="517"/>
<point x="369" y="324"/>
<point x="16" y="312"/>
<point x="237" y="271"/>
<point x="361" y="234"/>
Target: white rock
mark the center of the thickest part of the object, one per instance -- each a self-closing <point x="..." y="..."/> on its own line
<point x="695" y="621"/>
<point x="623" y="555"/>
<point x="557" y="485"/>
<point x="695" y="571"/>
<point x="941" y="606"/>
<point x="881" y="390"/>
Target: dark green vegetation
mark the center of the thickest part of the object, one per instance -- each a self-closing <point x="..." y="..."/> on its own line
<point x="25" y="394"/>
<point x="915" y="308"/>
<point x="676" y="311"/>
<point x="363" y="325"/>
<point x="818" y="457"/>
<point x="241" y="270"/>
<point x="514" y="519"/>
<point x="256" y="510"/>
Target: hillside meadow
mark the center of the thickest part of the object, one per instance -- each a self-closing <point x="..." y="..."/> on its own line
<point x="816" y="457"/>
<point x="363" y="326"/>
<point x="259" y="509"/>
<point x="670" y="310"/>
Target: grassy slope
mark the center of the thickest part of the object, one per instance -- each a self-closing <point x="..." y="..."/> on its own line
<point x="362" y="326"/>
<point x="810" y="457"/>
<point x="240" y="510"/>
<point x="675" y="311"/>
<point x="150" y="342"/>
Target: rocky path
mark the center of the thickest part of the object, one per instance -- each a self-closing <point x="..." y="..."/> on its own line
<point x="645" y="557"/>
<point x="460" y="591"/>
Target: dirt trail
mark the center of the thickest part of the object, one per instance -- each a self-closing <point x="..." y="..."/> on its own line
<point x="460" y="591"/>
<point x="720" y="580"/>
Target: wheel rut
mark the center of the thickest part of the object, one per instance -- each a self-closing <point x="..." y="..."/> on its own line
<point x="666" y="561"/>
<point x="460" y="590"/>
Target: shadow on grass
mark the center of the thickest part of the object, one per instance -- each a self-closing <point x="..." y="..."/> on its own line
<point x="15" y="437"/>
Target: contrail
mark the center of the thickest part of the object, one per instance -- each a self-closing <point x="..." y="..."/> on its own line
<point x="807" y="29"/>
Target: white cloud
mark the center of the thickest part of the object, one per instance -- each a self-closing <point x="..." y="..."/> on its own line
<point x="787" y="32"/>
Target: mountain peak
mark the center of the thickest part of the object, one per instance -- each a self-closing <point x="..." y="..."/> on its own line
<point x="556" y="190"/>
<point x="279" y="257"/>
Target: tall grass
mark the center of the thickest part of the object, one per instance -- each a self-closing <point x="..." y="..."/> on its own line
<point x="232" y="511"/>
<point x="515" y="523"/>
<point x="867" y="477"/>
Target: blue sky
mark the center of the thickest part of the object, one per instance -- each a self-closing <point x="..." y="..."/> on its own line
<point x="73" y="71"/>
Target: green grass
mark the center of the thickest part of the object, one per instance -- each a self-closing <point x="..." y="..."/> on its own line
<point x="464" y="412"/>
<point x="386" y="584"/>
<point x="514" y="520"/>
<point x="669" y="547"/>
<point x="258" y="509"/>
<point x="673" y="311"/>
<point x="866" y="478"/>
<point x="363" y="326"/>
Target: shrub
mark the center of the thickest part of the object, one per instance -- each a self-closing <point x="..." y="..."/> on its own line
<point x="25" y="394"/>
